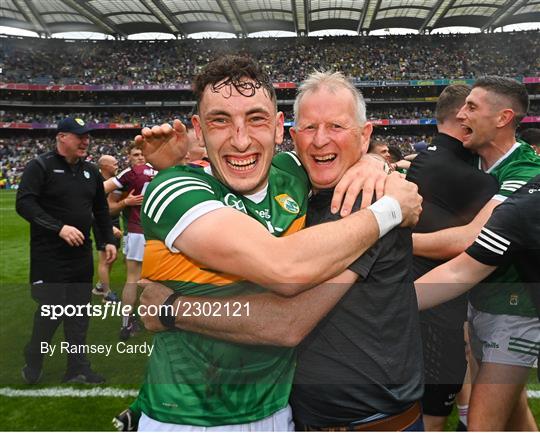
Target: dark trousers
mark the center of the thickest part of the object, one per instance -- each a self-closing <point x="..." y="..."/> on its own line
<point x="61" y="293"/>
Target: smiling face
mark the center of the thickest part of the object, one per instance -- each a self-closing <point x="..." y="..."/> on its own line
<point x="328" y="136"/>
<point x="240" y="133"/>
<point x="72" y="146"/>
<point x="478" y="118"/>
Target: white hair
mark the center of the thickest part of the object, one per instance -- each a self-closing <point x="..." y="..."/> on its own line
<point x="332" y="81"/>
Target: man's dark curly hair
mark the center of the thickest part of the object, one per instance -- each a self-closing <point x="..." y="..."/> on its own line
<point x="232" y="71"/>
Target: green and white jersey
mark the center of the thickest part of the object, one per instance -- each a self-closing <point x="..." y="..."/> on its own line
<point x="193" y="379"/>
<point x="502" y="292"/>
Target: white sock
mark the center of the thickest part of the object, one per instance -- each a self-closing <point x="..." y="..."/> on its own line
<point x="462" y="412"/>
<point x="125" y="321"/>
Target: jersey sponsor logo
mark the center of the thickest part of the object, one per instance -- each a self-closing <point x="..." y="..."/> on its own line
<point x="150" y="172"/>
<point x="264" y="214"/>
<point x="288" y="203"/>
<point x="432" y="148"/>
<point x="58" y="171"/>
<point x="79" y="121"/>
<point x="232" y="201"/>
<point x="533" y="190"/>
<point x="86" y="174"/>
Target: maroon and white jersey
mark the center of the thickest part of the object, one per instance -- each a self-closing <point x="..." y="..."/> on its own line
<point x="135" y="179"/>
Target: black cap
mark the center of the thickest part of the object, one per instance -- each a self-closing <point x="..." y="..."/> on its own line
<point x="73" y="125"/>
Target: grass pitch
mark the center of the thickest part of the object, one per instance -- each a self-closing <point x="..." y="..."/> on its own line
<point x="121" y="370"/>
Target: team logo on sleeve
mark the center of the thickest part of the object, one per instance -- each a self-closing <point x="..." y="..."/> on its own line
<point x="287" y="203"/>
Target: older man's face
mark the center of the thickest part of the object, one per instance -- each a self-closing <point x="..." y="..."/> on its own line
<point x="328" y="137"/>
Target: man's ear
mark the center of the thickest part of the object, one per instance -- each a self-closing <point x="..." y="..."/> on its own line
<point x="505" y="117"/>
<point x="367" y="130"/>
<point x="280" y="131"/>
<point x="196" y="122"/>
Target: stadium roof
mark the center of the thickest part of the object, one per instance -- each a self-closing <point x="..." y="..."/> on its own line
<point x="121" y="18"/>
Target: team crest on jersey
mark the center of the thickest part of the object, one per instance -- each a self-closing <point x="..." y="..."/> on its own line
<point x="287" y="203"/>
<point x="86" y="174"/>
<point x="79" y="121"/>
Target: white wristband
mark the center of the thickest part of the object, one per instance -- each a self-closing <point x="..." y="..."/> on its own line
<point x="387" y="212"/>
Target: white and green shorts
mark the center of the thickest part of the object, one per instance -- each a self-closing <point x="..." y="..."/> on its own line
<point x="279" y="421"/>
<point x="504" y="339"/>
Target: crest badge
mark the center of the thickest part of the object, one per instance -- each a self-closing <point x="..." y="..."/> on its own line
<point x="288" y="203"/>
<point x="86" y="174"/>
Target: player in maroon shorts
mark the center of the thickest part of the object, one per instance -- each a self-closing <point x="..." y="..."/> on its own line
<point x="133" y="179"/>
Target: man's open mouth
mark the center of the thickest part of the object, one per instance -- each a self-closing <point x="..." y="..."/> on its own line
<point x="325" y="159"/>
<point x="242" y="164"/>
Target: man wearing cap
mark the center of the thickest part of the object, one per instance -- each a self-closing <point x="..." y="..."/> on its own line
<point x="59" y="195"/>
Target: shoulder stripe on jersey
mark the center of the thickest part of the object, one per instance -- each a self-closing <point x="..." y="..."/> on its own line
<point x="163" y="185"/>
<point x="117" y="183"/>
<point x="179" y="183"/>
<point x="495" y="235"/>
<point x="490" y="241"/>
<point x="119" y="175"/>
<point x="489" y="247"/>
<point x="514" y="182"/>
<point x="295" y="158"/>
<point x="173" y="196"/>
<point x="512" y="185"/>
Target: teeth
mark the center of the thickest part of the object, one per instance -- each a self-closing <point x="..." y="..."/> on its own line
<point x="325" y="157"/>
<point x="242" y="163"/>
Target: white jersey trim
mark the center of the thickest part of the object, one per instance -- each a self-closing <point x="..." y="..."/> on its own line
<point x="257" y="197"/>
<point x="499" y="197"/>
<point x="117" y="182"/>
<point x="153" y="201"/>
<point x="295" y="158"/>
<point x="489" y="247"/>
<point x="492" y="241"/>
<point x="500" y="160"/>
<point x="191" y="215"/>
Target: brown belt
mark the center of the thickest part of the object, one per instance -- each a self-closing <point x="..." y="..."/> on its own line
<point x="398" y="422"/>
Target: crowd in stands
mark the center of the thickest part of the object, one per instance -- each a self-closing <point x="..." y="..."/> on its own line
<point x="150" y="117"/>
<point x="16" y="152"/>
<point x="46" y="61"/>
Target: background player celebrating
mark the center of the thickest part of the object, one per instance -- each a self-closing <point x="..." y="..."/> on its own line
<point x="134" y="179"/>
<point x="491" y="115"/>
<point x="511" y="234"/>
<point x="444" y="173"/>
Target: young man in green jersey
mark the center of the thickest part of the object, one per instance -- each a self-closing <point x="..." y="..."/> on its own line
<point x="502" y="311"/>
<point x="219" y="231"/>
<point x="272" y="319"/>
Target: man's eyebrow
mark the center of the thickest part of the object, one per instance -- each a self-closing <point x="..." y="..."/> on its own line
<point x="257" y="110"/>
<point x="217" y="113"/>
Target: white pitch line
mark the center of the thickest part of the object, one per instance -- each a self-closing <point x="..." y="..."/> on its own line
<point x="68" y="392"/>
<point x="102" y="392"/>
